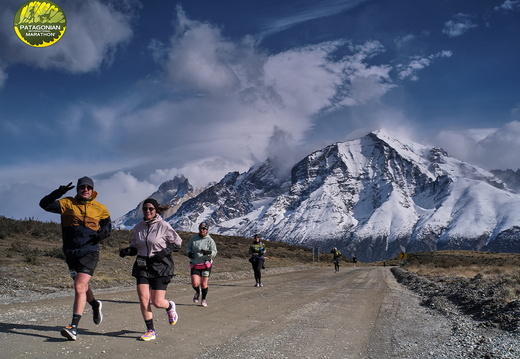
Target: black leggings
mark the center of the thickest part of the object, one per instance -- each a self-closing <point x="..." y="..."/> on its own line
<point x="257" y="264"/>
<point x="336" y="264"/>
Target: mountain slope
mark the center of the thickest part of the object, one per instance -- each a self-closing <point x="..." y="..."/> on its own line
<point x="510" y="178"/>
<point x="370" y="197"/>
<point x="172" y="193"/>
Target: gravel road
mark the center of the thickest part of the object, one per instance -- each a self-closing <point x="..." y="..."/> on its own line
<point x="307" y="313"/>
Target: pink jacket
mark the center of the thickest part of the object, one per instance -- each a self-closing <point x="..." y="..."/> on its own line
<point x="154" y="236"/>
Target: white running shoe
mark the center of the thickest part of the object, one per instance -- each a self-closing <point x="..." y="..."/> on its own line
<point x="172" y="314"/>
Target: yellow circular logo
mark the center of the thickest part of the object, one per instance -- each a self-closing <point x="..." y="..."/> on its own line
<point x="40" y="23"/>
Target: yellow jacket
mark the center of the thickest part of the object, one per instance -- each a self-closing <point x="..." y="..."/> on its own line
<point x="84" y="223"/>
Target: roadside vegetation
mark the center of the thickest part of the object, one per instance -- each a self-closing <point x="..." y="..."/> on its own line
<point x="483" y="285"/>
<point x="451" y="265"/>
<point x="31" y="257"/>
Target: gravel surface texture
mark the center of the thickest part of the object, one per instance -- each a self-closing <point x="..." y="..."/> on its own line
<point x="482" y="324"/>
<point x="301" y="312"/>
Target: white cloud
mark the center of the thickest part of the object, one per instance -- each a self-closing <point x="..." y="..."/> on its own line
<point x="98" y="119"/>
<point x="3" y="77"/>
<point x="202" y="171"/>
<point x="492" y="148"/>
<point x="229" y="95"/>
<point x="501" y="148"/>
<point x="121" y="192"/>
<point x="303" y="80"/>
<point x="403" y="42"/>
<point x="379" y="116"/>
<point x="509" y="5"/>
<point x="95" y="30"/>
<point x="200" y="58"/>
<point x="409" y="70"/>
<point x="312" y="11"/>
<point x="460" y="24"/>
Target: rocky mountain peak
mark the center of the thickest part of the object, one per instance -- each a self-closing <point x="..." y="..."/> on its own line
<point x="370" y="197"/>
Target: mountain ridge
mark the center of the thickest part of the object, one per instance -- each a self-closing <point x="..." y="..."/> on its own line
<point x="371" y="197"/>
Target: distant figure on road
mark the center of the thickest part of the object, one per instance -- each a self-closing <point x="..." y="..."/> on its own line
<point x="84" y="223"/>
<point x="153" y="241"/>
<point x="201" y="250"/>
<point x="336" y="256"/>
<point x="257" y="251"/>
<point x="354" y="260"/>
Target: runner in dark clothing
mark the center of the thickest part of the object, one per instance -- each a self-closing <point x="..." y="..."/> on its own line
<point x="336" y="258"/>
<point x="257" y="251"/>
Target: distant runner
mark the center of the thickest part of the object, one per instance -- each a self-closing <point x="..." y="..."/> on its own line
<point x="257" y="251"/>
<point x="336" y="256"/>
<point x="201" y="250"/>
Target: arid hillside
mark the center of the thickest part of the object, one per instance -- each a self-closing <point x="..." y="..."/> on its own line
<point x="31" y="257"/>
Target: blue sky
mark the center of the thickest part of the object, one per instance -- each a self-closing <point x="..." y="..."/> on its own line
<point x="137" y="92"/>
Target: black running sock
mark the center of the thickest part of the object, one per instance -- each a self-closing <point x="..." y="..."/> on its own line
<point x="75" y="320"/>
<point x="169" y="306"/>
<point x="149" y="324"/>
<point x="196" y="289"/>
<point x="204" y="292"/>
<point x="94" y="304"/>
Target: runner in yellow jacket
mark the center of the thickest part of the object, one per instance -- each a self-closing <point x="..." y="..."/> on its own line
<point x="85" y="222"/>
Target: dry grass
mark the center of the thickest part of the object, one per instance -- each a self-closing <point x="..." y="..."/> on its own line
<point x="463" y="263"/>
<point x="464" y="271"/>
<point x="30" y="252"/>
<point x="501" y="267"/>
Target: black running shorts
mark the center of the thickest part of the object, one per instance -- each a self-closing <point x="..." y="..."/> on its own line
<point x="86" y="264"/>
<point x="159" y="283"/>
<point x="201" y="272"/>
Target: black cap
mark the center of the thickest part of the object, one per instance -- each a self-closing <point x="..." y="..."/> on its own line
<point x="153" y="202"/>
<point x="85" y="181"/>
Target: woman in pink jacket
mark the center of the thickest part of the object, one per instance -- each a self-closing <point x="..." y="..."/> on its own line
<point x="153" y="241"/>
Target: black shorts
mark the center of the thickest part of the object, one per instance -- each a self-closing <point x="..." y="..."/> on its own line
<point x="201" y="272"/>
<point x="86" y="264"/>
<point x="159" y="283"/>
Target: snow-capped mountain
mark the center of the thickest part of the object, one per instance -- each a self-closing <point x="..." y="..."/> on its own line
<point x="172" y="193"/>
<point x="369" y="197"/>
<point x="510" y="178"/>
